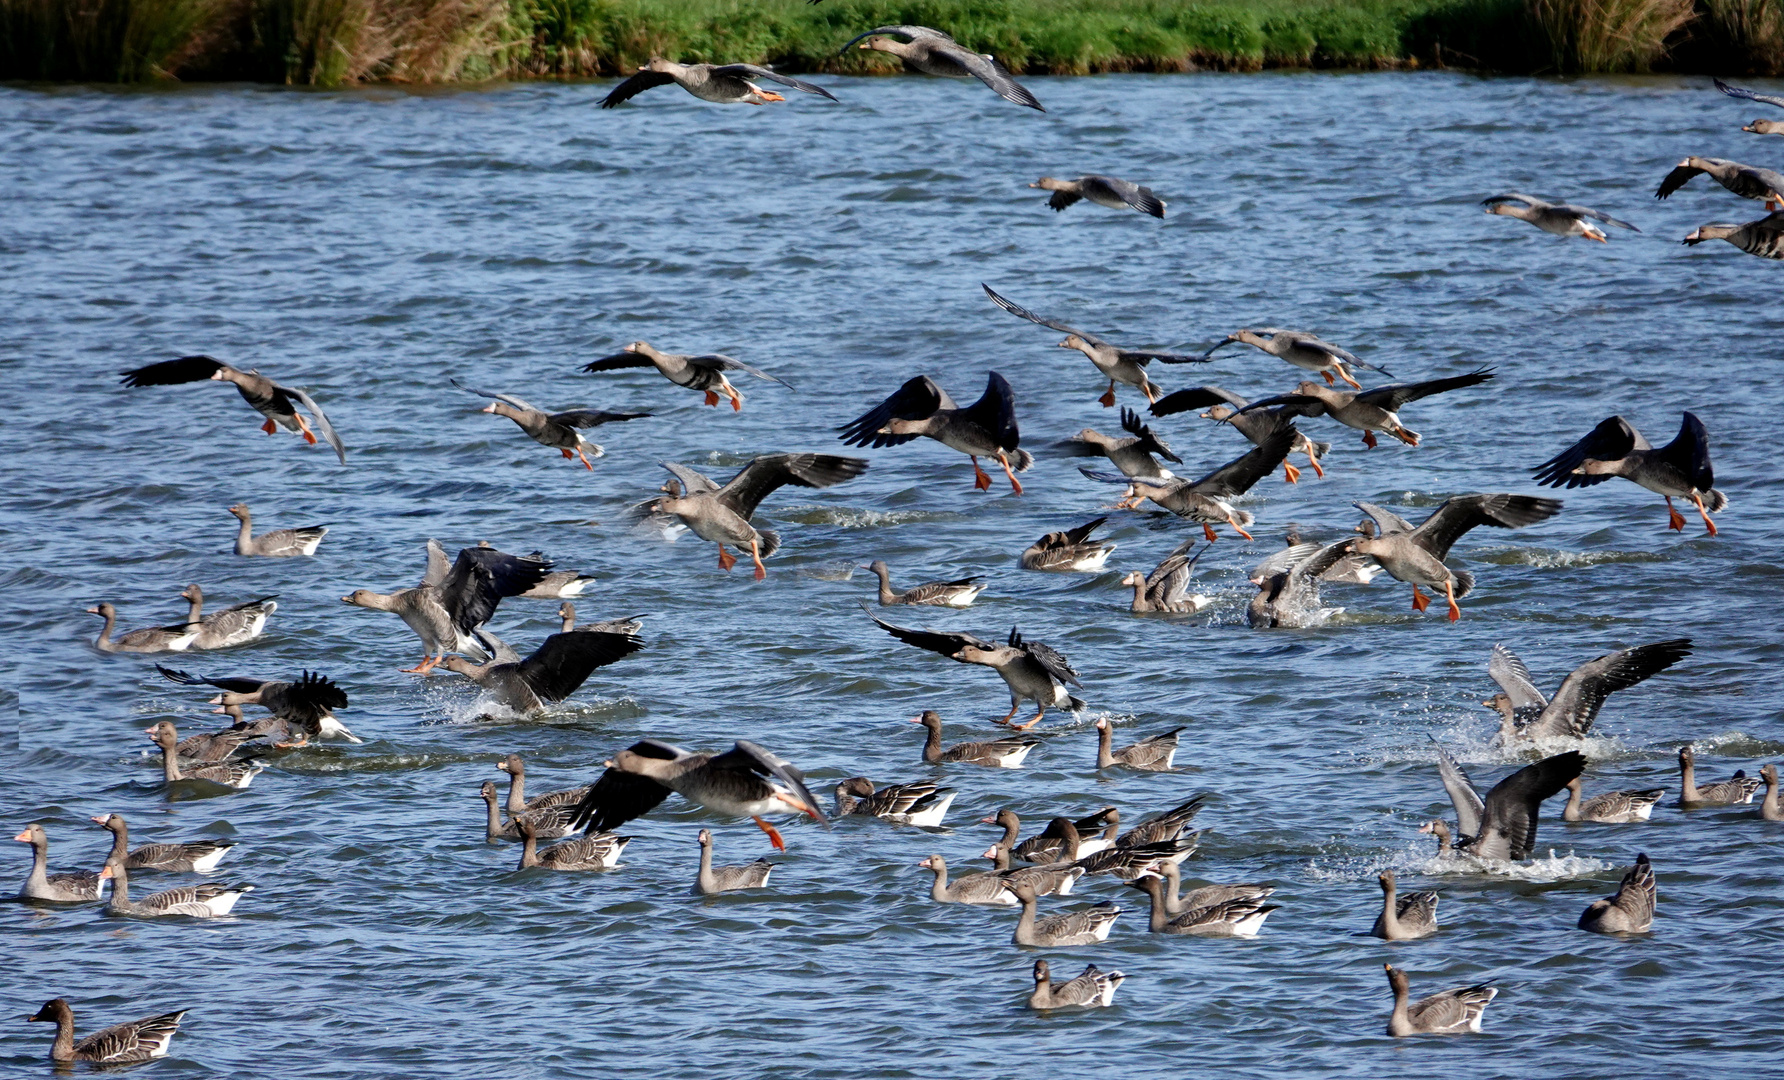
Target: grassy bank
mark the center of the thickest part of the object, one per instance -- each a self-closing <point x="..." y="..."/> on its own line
<point x="338" y="42"/>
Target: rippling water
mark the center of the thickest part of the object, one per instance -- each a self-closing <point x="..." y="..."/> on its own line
<point x="369" y="245"/>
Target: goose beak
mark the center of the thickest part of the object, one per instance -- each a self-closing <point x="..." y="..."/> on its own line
<point x="23" y="838"/>
<point x="102" y="819"/>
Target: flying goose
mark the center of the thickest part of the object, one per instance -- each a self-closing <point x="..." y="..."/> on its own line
<point x="1631" y="911"/>
<point x="1404" y="918"/>
<point x="444" y="613"/>
<point x="922" y="803"/>
<point x="711" y="880"/>
<point x="270" y="399"/>
<point x="230" y="774"/>
<point x="1207" y="895"/>
<point x="1503" y="825"/>
<point x="197" y="857"/>
<point x="120" y="1044"/>
<point x="1415" y="554"/>
<point x="986" y="428"/>
<point x="172" y="638"/>
<point x="554" y="671"/>
<point x="1612" y="807"/>
<point x="207" y="900"/>
<point x="1005" y="753"/>
<point x="721" y="84"/>
<point x="1288" y="586"/>
<point x="1208" y="501"/>
<point x="1354" y="570"/>
<point x="1560" y="219"/>
<point x="1132" y="455"/>
<point x="1302" y="349"/>
<point x="1770" y="809"/>
<point x="516" y="769"/>
<point x="67" y="887"/>
<point x="1110" y="191"/>
<point x="1680" y="469"/>
<point x="1090" y="990"/>
<point x="959" y="593"/>
<point x="562" y="431"/>
<point x="1086" y="926"/>
<point x="1068" y="550"/>
<point x="1757" y="127"/>
<point x="704" y="372"/>
<point x="1154" y="753"/>
<point x="308" y="704"/>
<point x="1368" y="411"/>
<point x="989" y="888"/>
<point x="1763" y="238"/>
<point x="1167" y="587"/>
<point x="236" y="625"/>
<point x="1240" y="917"/>
<point x="548" y="822"/>
<point x="1735" y="791"/>
<point x="1033" y="671"/>
<point x="1223" y="406"/>
<point x="1448" y="1013"/>
<point x="1760" y="185"/>
<point x="1118" y="365"/>
<point x="721" y="515"/>
<point x="598" y="852"/>
<point x="1525" y="714"/>
<point x="279" y="543"/>
<point x="935" y="53"/>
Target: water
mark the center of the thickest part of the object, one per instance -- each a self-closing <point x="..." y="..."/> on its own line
<point x="369" y="245"/>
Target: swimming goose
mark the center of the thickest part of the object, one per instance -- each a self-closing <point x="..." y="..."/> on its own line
<point x="68" y="887"/>
<point x="1167" y="587"/>
<point x="1154" y="753"/>
<point x="1404" y="918"/>
<point x="1033" y="671"/>
<point x="598" y="852"/>
<point x="120" y="1044"/>
<point x="443" y="614"/>
<point x="1132" y="455"/>
<point x="1763" y="238"/>
<point x="559" y="430"/>
<point x="721" y="515"/>
<point x="1049" y="878"/>
<point x="1760" y="185"/>
<point x="711" y="880"/>
<point x="1736" y="791"/>
<point x="1415" y="554"/>
<point x="1680" y="469"/>
<point x="1169" y="824"/>
<point x="721" y="84"/>
<point x="1448" y="1013"/>
<point x="955" y="594"/>
<point x="236" y="625"/>
<point x="986" y="428"/>
<point x="1368" y="411"/>
<point x="548" y="822"/>
<point x="923" y="803"/>
<point x="197" y="857"/>
<point x="517" y="782"/>
<point x="1110" y="191"/>
<point x="1525" y="714"/>
<point x="741" y="782"/>
<point x="1086" y="926"/>
<point x="1208" y="501"/>
<point x="230" y="774"/>
<point x="1005" y="753"/>
<point x="1068" y="550"/>
<point x="1757" y="127"/>
<point x="1206" y="896"/>
<point x="704" y="372"/>
<point x="307" y="705"/>
<point x="1240" y="917"/>
<point x="1091" y="990"/>
<point x="270" y="399"/>
<point x="1631" y="911"/>
<point x="1137" y="861"/>
<point x="1613" y="807"/>
<point x="279" y="543"/>
<point x="1063" y="840"/>
<point x="1290" y="597"/>
<point x="1224" y="406"/>
<point x="554" y="671"/>
<point x="172" y="638"/>
<point x="1503" y="825"/>
<point x="1118" y="365"/>
<point x="1304" y="350"/>
<point x="206" y="900"/>
<point x="567" y="612"/>
<point x="935" y="53"/>
<point x="1560" y="219"/>
<point x="990" y="888"/>
<point x="215" y="746"/>
<point x="1771" y="809"/>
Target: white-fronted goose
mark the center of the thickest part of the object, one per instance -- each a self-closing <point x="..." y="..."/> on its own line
<point x="1448" y="1013"/>
<point x="1559" y="219"/>
<point x="1368" y="411"/>
<point x="1304" y="350"/>
<point x="1763" y="238"/>
<point x="1118" y="365"/>
<point x="236" y="625"/>
<point x="1735" y="791"/>
<point x="721" y="84"/>
<point x="1086" y="926"/>
<point x="1166" y="589"/>
<point x="1760" y="185"/>
<point x="1169" y="824"/>
<point x="989" y="888"/>
<point x="443" y="614"/>
<point x="598" y="852"/>
<point x="1771" y="809"/>
<point x="207" y="900"/>
<point x="1503" y="825"/>
<point x="955" y="594"/>
<point x="704" y="372"/>
<point x="1631" y="911"/>
<point x="562" y="431"/>
<point x="712" y="880"/>
<point x="1208" y="501"/>
<point x="1680" y="469"/>
<point x="120" y="1044"/>
<point x="1290" y="596"/>
<point x="922" y="803"/>
<point x="1155" y="753"/>
<point x="517" y="782"/>
<point x="1132" y="455"/>
<point x="67" y="887"/>
<point x="986" y="428"/>
<point x="1110" y="191"/>
<point x="737" y="783"/>
<point x="1091" y="990"/>
<point x="230" y="774"/>
<point x="1415" y="554"/>
<point x="279" y="543"/>
<point x="935" y="53"/>
<point x="1613" y="807"/>
<point x="1354" y="570"/>
<point x="276" y="402"/>
<point x="1049" y="878"/>
<point x="173" y="638"/>
<point x="197" y="857"/>
<point x="1223" y="406"/>
<point x="1757" y="127"/>
<point x="1129" y="862"/>
<point x="1033" y="671"/>
<point x="1525" y="714"/>
<point x="1063" y="840"/>
<point x="721" y="515"/>
<point x="1068" y="550"/>
<point x="1441" y="831"/>
<point x="1207" y="895"/>
<point x="554" y="671"/>
<point x="1404" y="917"/>
<point x="567" y="612"/>
<point x="548" y="822"/>
<point x="212" y="747"/>
<point x="559" y="584"/>
<point x="1005" y="753"/>
<point x="307" y="705"/>
<point x="1239" y="917"/>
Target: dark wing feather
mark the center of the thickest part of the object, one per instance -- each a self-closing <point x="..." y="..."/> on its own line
<point x="756" y="480"/>
<point x="1149" y="442"/>
<point x="1689" y="452"/>
<point x="312" y="696"/>
<point x="750" y="756"/>
<point x="588" y="418"/>
<point x="721" y="362"/>
<point x="1392" y="397"/>
<point x="752" y="71"/>
<point x="629" y="89"/>
<point x="234" y="686"/>
<point x="1197" y="397"/>
<point x="1077" y="535"/>
<point x="618" y="797"/>
<point x="481" y="577"/>
<point x="1144" y="355"/>
<point x="1048" y="657"/>
<point x="1612" y="440"/>
<point x="186" y="369"/>
<point x="995" y="411"/>
<point x="912" y="32"/>
<point x="1062" y="199"/>
<point x="946" y="644"/>
<point x="1023" y="313"/>
<point x="1239" y="475"/>
<point x="1439" y="532"/>
<point x="619" y="360"/>
<point x="564" y="661"/>
<point x="1748" y="95"/>
<point x="1290" y="405"/>
<point x="1575" y="706"/>
<point x="1676" y="179"/>
<point x="996" y="76"/>
<point x="918" y="399"/>
<point x="1509" y="814"/>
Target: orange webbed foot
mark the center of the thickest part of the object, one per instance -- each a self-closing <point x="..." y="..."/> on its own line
<point x="1369" y="439"/>
<point x="736" y="404"/>
<point x="1455" y="613"/>
<point x="1290" y="473"/>
<point x="1419" y="600"/>
<point x="1675" y="520"/>
<point x="1317" y="471"/>
<point x="1208" y="531"/>
<point x="774" y="836"/>
<point x="269" y="427"/>
<point x="712" y="399"/>
<point x="1329" y="379"/>
<point x="726" y="559"/>
<point x="1108" y="398"/>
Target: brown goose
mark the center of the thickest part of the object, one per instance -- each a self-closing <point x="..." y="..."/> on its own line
<point x="68" y="887"/>
<point x="1165" y="825"/>
<point x="1631" y="911"/>
<point x="1612" y="807"/>
<point x="444" y="612"/>
<point x="721" y="84"/>
<point x="229" y="774"/>
<point x="1154" y="753"/>
<point x="599" y="852"/>
<point x="1502" y="827"/>
<point x="548" y="822"/>
<point x="554" y="671"/>
<point x="1063" y="840"/>
<point x="1302" y="349"/>
<point x="1207" y="895"/>
<point x="1416" y="554"/>
<point x="1736" y="791"/>
<point x="1559" y="219"/>
<point x="562" y="431"/>
<point x="1448" y="1013"/>
<point x="1124" y="366"/>
<point x="197" y="857"/>
<point x="1680" y="469"/>
<point x="276" y="402"/>
<point x="1049" y="878"/>
<point x="1110" y="191"/>
<point x="1005" y="753"/>
<point x="1033" y="671"/>
<point x="209" y="900"/>
<point x="1757" y="127"/>
<point x="1241" y="917"/>
<point x="1524" y="713"/>
<point x="517" y="782"/>
<point x="1166" y="588"/>
<point x="711" y="880"/>
<point x="306" y="704"/>
<point x="1763" y="238"/>
<point x="1086" y="926"/>
<point x="1222" y="406"/>
<point x="1404" y="918"/>
<point x="1760" y="185"/>
<point x="279" y="543"/>
<point x="1069" y="550"/>
<point x="1368" y="411"/>
<point x="705" y="372"/>
<point x="1771" y="809"/>
<point x="955" y="594"/>
<point x="567" y="612"/>
<point x="988" y="888"/>
<point x="236" y="625"/>
<point x="935" y="53"/>
<point x="1133" y="454"/>
<point x="923" y="804"/>
<point x="987" y="428"/>
<point x="173" y="638"/>
<point x="1208" y="501"/>
<point x="120" y="1044"/>
<point x="1090" y="990"/>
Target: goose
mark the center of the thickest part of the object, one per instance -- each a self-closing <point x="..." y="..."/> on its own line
<point x="711" y="880"/>
<point x="1770" y="809"/>
<point x="548" y="822"/>
<point x="562" y="431"/>
<point x="1129" y="862"/>
<point x="922" y="804"/>
<point x="207" y="900"/>
<point x="1354" y="570"/>
<point x="213" y="747"/>
<point x="1049" y="878"/>
<point x="1068" y="550"/>
<point x="1524" y="713"/>
<point x="1757" y="127"/>
<point x="197" y="857"/>
<point x="1110" y="191"/>
<point x="1737" y="791"/>
<point x="1091" y="990"/>
<point x="986" y="428"/>
<point x="1206" y="896"/>
<point x="1760" y="185"/>
<point x="1086" y="926"/>
<point x="558" y="584"/>
<point x="275" y="401"/>
<point x="1680" y="469"/>
<point x="236" y="625"/>
<point x="1063" y="840"/>
<point x="1166" y="589"/>
<point x="721" y="514"/>
<point x="554" y="671"/>
<point x="1448" y="1013"/>
<point x="229" y="774"/>
<point x="1368" y="411"/>
<point x="741" y="782"/>
<point x="1290" y="597"/>
<point x="67" y="887"/>
<point x="1165" y="825"/>
<point x="1763" y="238"/>
<point x="1132" y="455"/>
<point x="990" y="888"/>
<point x="174" y="638"/>
<point x="1222" y="406"/>
<point x="1304" y="350"/>
<point x="959" y="593"/>
<point x="1559" y="219"/>
<point x="1155" y="753"/>
<point x="721" y="84"/>
<point x="1404" y="918"/>
<point x="704" y="372"/>
<point x="1415" y="554"/>
<point x="1612" y="807"/>
<point x="1005" y="753"/>
<point x="1441" y="831"/>
<point x="1208" y="501"/>
<point x="1240" y="917"/>
<point x="517" y="783"/>
<point x="1118" y="365"/>
<point x="567" y="612"/>
<point x="307" y="705"/>
<point x="935" y="53"/>
<point x="279" y="543"/>
<point x="444" y="613"/>
<point x="1631" y="911"/>
<point x="1033" y="671"/>
<point x="120" y="1044"/>
<point x="598" y="852"/>
<point x="1502" y="826"/>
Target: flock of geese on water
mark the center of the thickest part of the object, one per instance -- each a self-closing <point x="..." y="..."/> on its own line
<point x="450" y="608"/>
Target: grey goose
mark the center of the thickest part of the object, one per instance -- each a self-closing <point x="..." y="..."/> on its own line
<point x="1110" y="191"/>
<point x="1223" y="406"/>
<point x="307" y="704"/>
<point x="1367" y="411"/>
<point x="554" y="671"/>
<point x="921" y="408"/>
<point x="1450" y="1012"/>
<point x="193" y="857"/>
<point x="273" y="400"/>
<point x="66" y="887"/>
<point x="933" y="52"/>
<point x="1735" y="791"/>
<point x="1302" y="349"/>
<point x="1068" y="550"/>
<point x="1086" y="926"/>
<point x="444" y="612"/>
<point x="232" y="626"/>
<point x="278" y="543"/>
<point x="562" y="431"/>
<point x="121" y="1044"/>
<point x="1004" y="753"/>
<point x="1524" y="713"/>
<point x="1033" y="671"/>
<point x="1091" y="990"/>
<point x="704" y="372"/>
<point x="1631" y="910"/>
<point x="712" y="880"/>
<point x="1416" y="554"/>
<point x="721" y="84"/>
<point x="1612" y="807"/>
<point x="1238" y="917"/>
<point x="1404" y="917"/>
<point x="1503" y="825"/>
<point x="599" y="852"/>
<point x="1124" y="366"/>
<point x="959" y="593"/>
<point x="1679" y="470"/>
<point x="208" y="900"/>
<point x="1559" y="219"/>
<point x="177" y="637"/>
<point x="1209" y="500"/>
<point x="1155" y="753"/>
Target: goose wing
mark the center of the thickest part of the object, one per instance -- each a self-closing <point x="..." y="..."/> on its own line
<point x="1612" y="440"/>
<point x="620" y="796"/>
<point x="918" y="399"/>
<point x="186" y="369"/>
<point x="1149" y="442"/>
<point x="1196" y="397"/>
<point x="626" y="91"/>
<point x="1282" y="562"/>
<point x="987" y="70"/>
<point x="763" y="475"/>
<point x="564" y="661"/>
<point x="1676" y="179"/>
<point x="1439" y="532"/>
<point x="1514" y="678"/>
<point x="1053" y="324"/>
<point x="234" y="686"/>
<point x="752" y="71"/>
<point x="1509" y="812"/>
<point x="720" y="362"/>
<point x="621" y="360"/>
<point x="1596" y="215"/>
<point x="691" y="481"/>
<point x="1050" y="659"/>
<point x="1469" y="806"/>
<point x="481" y="577"/>
<point x="437" y="565"/>
<point x="1575" y="706"/>
<point x="1398" y="394"/>
<point x="1289" y="405"/>
<point x="132" y="1041"/>
<point x="995" y="412"/>
<point x="1385" y="519"/>
<point x="1239" y="475"/>
<point x="588" y="418"/>
<point x="1748" y="95"/>
<point x="903" y="31"/>
<point x="322" y="424"/>
<point x="509" y="398"/>
<point x="750" y="757"/>
<point x="1689" y="453"/>
<point x="949" y="645"/>
<point x="1517" y="197"/>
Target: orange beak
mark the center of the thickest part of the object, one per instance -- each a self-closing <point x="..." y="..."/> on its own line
<point x="23" y="838"/>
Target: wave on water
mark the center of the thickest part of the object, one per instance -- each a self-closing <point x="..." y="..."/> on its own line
<point x="1548" y="558"/>
<point x="850" y="517"/>
<point x="1420" y="857"/>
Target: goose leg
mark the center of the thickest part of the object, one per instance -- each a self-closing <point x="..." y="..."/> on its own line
<point x="1419" y="600"/>
<point x="269" y="427"/>
<point x="1449" y="593"/>
<point x="712" y="399"/>
<point x="797" y="804"/>
<point x="774" y="836"/>
<point x="566" y="453"/>
<point x="1032" y="721"/>
<point x="1345" y="375"/>
<point x="1150" y="391"/>
<point x="303" y="428"/>
<point x="1675" y="520"/>
<point x="726" y="559"/>
<point x="730" y="391"/>
<point x="1328" y="375"/>
<point x="1704" y="513"/>
<point x="1208" y="531"/>
<point x="1290" y="473"/>
<point x="756" y="557"/>
<point x="1313" y="461"/>
<point x="1015" y="703"/>
<point x="769" y="95"/>
<point x="1015" y="484"/>
<point x="1410" y="438"/>
<point x="1108" y="398"/>
<point x="585" y="461"/>
<point x="1369" y="439"/>
<point x="981" y="479"/>
<point x="1240" y="529"/>
<point x="426" y="664"/>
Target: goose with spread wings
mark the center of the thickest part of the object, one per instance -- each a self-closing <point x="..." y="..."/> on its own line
<point x="721" y="84"/>
<point x="445" y="613"/>
<point x="744" y="781"/>
<point x="1503" y="825"/>
<point x="1208" y="501"/>
<point x="1757" y="127"/>
<point x="559" y="430"/>
<point x="935" y="53"/>
<point x="1525" y="713"/>
<point x="1560" y="219"/>
<point x="1681" y="469"/>
<point x="307" y="704"/>
<point x="986" y="428"/>
<point x="555" y="670"/>
<point x="275" y="401"/>
<point x="1415" y="554"/>
<point x="1033" y="671"/>
<point x="1747" y="181"/>
<point x="1110" y="191"/>
<point x="1302" y="349"/>
<point x="704" y="372"/>
<point x="1368" y="411"/>
<point x="1118" y="365"/>
<point x="1166" y="588"/>
<point x="1224" y="405"/>
<point x="1288" y="587"/>
<point x="1132" y="455"/>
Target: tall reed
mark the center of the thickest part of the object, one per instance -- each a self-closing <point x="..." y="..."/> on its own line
<point x="1609" y="35"/>
<point x="1746" y="35"/>
<point x="103" y="40"/>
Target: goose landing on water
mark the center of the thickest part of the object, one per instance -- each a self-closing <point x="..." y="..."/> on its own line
<point x="1033" y="671"/>
<point x="1118" y="365"/>
<point x="1208" y="501"/>
<point x="1525" y="714"/>
<point x="1416" y="555"/>
<point x="704" y="372"/>
<point x="1304" y="350"/>
<point x="1679" y="470"/>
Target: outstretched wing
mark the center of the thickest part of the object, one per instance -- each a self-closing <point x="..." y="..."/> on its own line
<point x="752" y="71"/>
<point x="1515" y="196"/>
<point x="918" y="399"/>
<point x="509" y="398"/>
<point x="311" y="697"/>
<point x="1023" y="313"/>
<point x="630" y="89"/>
<point x="1196" y="397"/>
<point x="691" y="481"/>
<point x="1513" y="677"/>
<point x="1678" y="178"/>
<point x="949" y="645"/>
<point x="619" y="360"/>
<point x="1051" y="660"/>
<point x="1240" y="474"/>
<point x="1748" y="95"/>
<point x="1439" y="532"/>
<point x="588" y="418"/>
<point x="903" y="31"/>
<point x="756" y="480"/>
<point x="1612" y="440"/>
<point x="619" y="796"/>
<point x="172" y="372"/>
<point x="1468" y="803"/>
<point x="1398" y="394"/>
<point x="1596" y="215"/>
<point x="748" y="755"/>
<point x="481" y="577"/>
<point x="564" y="661"/>
<point x="234" y="686"/>
<point x="1509" y="812"/>
<point x="1575" y="706"/>
<point x="1689" y="452"/>
<point x="1289" y="405"/>
<point x="721" y="362"/>
<point x="328" y="431"/>
<point x="995" y="411"/>
<point x="1149" y="442"/>
<point x="1385" y="519"/>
